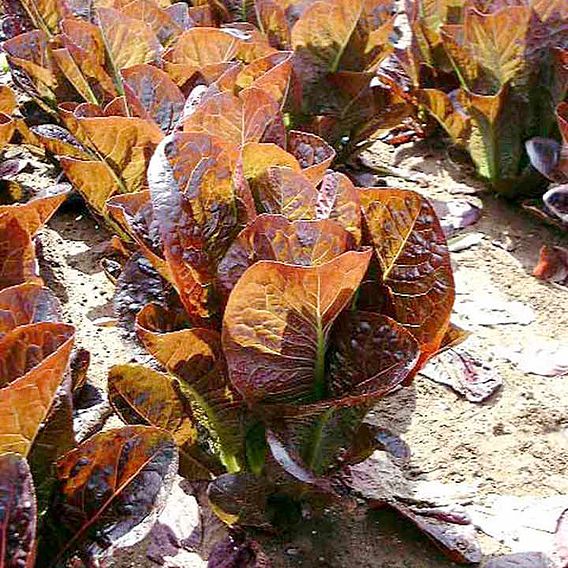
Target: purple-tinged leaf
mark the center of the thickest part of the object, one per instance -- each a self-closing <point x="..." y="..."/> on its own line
<point x="467" y="374"/>
<point x="17" y="513"/>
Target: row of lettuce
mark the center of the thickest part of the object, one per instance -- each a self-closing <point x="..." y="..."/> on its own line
<point x="280" y="302"/>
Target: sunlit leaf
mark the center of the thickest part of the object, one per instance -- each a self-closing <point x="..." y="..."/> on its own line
<point x="195" y="357"/>
<point x="234" y="119"/>
<point x="128" y="41"/>
<point x="322" y="33"/>
<point x="273" y="237"/>
<point x="283" y="191"/>
<point x="443" y="109"/>
<point x="110" y="484"/>
<point x="18" y="224"/>
<point x="26" y="304"/>
<point x="164" y="26"/>
<point x="338" y="199"/>
<point x="414" y="260"/>
<point x="17" y="255"/>
<point x="8" y="101"/>
<point x="272" y="21"/>
<point x="270" y="73"/>
<point x="7" y="129"/>
<point x="120" y="149"/>
<point x="35" y="358"/>
<point x="200" y="49"/>
<point x="277" y="323"/>
<point x="33" y="68"/>
<point x="17" y="513"/>
<point x="83" y="60"/>
<point x="143" y="396"/>
<point x="152" y="95"/>
<point x="190" y="177"/>
<point x="313" y="153"/>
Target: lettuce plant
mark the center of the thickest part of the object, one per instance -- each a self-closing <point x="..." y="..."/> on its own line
<point x="294" y="318"/>
<point x="491" y="73"/>
<point x="338" y="46"/>
<point x="57" y="499"/>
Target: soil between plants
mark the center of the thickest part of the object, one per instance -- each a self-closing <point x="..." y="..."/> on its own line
<point x="513" y="444"/>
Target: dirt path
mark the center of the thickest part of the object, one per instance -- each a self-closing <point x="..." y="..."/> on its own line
<point x="514" y="444"/>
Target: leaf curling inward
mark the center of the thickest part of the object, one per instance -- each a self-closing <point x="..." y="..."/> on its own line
<point x="414" y="259"/>
<point x="35" y="358"/>
<point x="27" y="304"/>
<point x="141" y="395"/>
<point x="277" y="322"/>
<point x="195" y="357"/>
<point x="274" y="237"/>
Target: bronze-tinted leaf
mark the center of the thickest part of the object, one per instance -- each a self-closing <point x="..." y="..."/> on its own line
<point x="141" y="395"/>
<point x="34" y="69"/>
<point x="272" y="21"/>
<point x="259" y="157"/>
<point x="17" y="255"/>
<point x="18" y="224"/>
<point x="18" y="514"/>
<point x="454" y="121"/>
<point x="190" y="177"/>
<point x="313" y="153"/>
<point x="373" y="355"/>
<point x="108" y="485"/>
<point x="26" y="304"/>
<point x="270" y="73"/>
<point x="164" y="26"/>
<point x="338" y="199"/>
<point x="82" y="59"/>
<point x="323" y="32"/>
<point x="7" y="129"/>
<point x="195" y="357"/>
<point x="283" y="191"/>
<point x="122" y="146"/>
<point x="235" y="119"/>
<point x="134" y="214"/>
<point x="200" y="49"/>
<point x="128" y="41"/>
<point x="414" y="259"/>
<point x="35" y="213"/>
<point x="54" y="438"/>
<point x="8" y="101"/>
<point x="152" y="95"/>
<point x="277" y="323"/>
<point x="34" y="359"/>
<point x="274" y="237"/>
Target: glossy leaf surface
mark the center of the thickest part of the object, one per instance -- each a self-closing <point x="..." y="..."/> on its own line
<point x="141" y="395"/>
<point x="34" y="359"/>
<point x="195" y="357"/>
<point x="277" y="322"/>
<point x="414" y="260"/>
<point x="27" y="304"/>
<point x="100" y="493"/>
<point x="273" y="237"/>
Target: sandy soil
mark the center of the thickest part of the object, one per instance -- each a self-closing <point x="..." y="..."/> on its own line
<point x="513" y="444"/>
